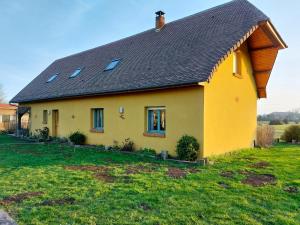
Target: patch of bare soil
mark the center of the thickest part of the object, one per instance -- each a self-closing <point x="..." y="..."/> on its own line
<point x="258" y="180"/>
<point x="86" y="168"/>
<point x="223" y="184"/>
<point x="100" y="172"/>
<point x="61" y="201"/>
<point x="176" y="173"/>
<point x="260" y="165"/>
<point x="145" y="206"/>
<point x="105" y="177"/>
<point x="136" y="169"/>
<point x="227" y="174"/>
<point x="18" y="198"/>
<point x="291" y="189"/>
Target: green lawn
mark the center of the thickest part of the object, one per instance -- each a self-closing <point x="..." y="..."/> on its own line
<point x="52" y="184"/>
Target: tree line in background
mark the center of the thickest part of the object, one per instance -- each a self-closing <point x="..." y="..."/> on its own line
<point x="278" y="118"/>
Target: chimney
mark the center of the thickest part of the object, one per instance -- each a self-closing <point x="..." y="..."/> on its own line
<point x="159" y="20"/>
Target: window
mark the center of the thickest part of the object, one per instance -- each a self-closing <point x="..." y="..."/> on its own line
<point x="52" y="78"/>
<point x="97" y="115"/>
<point x="12" y="118"/>
<point x="45" y="116"/>
<point x="75" y="73"/>
<point x="237" y="63"/>
<point x="156" y="120"/>
<point x="112" y="64"/>
<point x="5" y="118"/>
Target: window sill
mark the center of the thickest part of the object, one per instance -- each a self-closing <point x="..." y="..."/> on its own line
<point x="160" y="135"/>
<point x="96" y="131"/>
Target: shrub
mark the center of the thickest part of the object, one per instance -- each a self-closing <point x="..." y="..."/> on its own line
<point x="187" y="148"/>
<point x="265" y="136"/>
<point x="42" y="134"/>
<point x="127" y="145"/>
<point x="291" y="133"/>
<point x="77" y="138"/>
<point x="285" y="121"/>
<point x="275" y="122"/>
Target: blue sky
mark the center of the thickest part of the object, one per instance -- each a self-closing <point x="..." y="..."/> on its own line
<point x="36" y="32"/>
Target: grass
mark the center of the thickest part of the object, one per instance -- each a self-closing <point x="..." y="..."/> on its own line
<point x="141" y="192"/>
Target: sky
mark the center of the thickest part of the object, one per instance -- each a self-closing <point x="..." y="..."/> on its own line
<point x="34" y="33"/>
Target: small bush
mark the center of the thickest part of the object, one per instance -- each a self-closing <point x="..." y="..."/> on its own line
<point x="42" y="134"/>
<point x="187" y="148"/>
<point x="291" y="133"/>
<point x="128" y="145"/>
<point x="77" y="138"/>
<point x="265" y="136"/>
<point x="275" y="122"/>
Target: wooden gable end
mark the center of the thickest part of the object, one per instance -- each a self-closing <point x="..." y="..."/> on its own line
<point x="264" y="44"/>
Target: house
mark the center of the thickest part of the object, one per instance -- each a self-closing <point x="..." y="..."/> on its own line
<point x="8" y="117"/>
<point x="201" y="75"/>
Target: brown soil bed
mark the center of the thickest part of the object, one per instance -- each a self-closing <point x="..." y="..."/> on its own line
<point x="260" y="165"/>
<point x="18" y="198"/>
<point x="258" y="180"/>
<point x="86" y="168"/>
<point x="139" y="169"/>
<point x="176" y="173"/>
<point x="61" y="201"/>
<point x="105" y="177"/>
<point x="227" y="174"/>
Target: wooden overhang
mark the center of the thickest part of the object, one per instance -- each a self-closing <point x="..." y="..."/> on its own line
<point x="264" y="44"/>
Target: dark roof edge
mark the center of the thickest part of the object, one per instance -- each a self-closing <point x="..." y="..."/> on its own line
<point x="196" y="83"/>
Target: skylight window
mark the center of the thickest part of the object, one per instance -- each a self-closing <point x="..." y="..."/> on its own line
<point x="112" y="64"/>
<point x="52" y="78"/>
<point x="75" y="73"/>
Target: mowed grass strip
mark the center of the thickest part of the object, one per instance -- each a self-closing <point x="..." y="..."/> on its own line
<point x="57" y="184"/>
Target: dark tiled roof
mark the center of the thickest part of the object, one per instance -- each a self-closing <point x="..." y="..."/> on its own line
<point x="184" y="52"/>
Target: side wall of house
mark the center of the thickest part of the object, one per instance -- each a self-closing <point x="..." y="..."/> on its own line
<point x="230" y="105"/>
<point x="184" y="115"/>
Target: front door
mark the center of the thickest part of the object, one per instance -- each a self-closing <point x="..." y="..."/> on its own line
<point x="55" y="122"/>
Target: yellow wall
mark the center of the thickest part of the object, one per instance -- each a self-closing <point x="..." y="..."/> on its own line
<point x="230" y="108"/>
<point x="184" y="115"/>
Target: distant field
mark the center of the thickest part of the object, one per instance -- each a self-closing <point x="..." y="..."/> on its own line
<point x="279" y="129"/>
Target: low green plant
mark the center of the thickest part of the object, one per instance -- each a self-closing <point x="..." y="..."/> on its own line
<point x="275" y="122"/>
<point x="42" y="134"/>
<point x="127" y="145"/>
<point x="187" y="148"/>
<point x="291" y="133"/>
<point x="77" y="138"/>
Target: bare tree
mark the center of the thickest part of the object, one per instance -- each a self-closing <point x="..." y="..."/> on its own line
<point x="2" y="96"/>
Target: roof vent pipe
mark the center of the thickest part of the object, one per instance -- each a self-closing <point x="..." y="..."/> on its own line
<point x="159" y="20"/>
